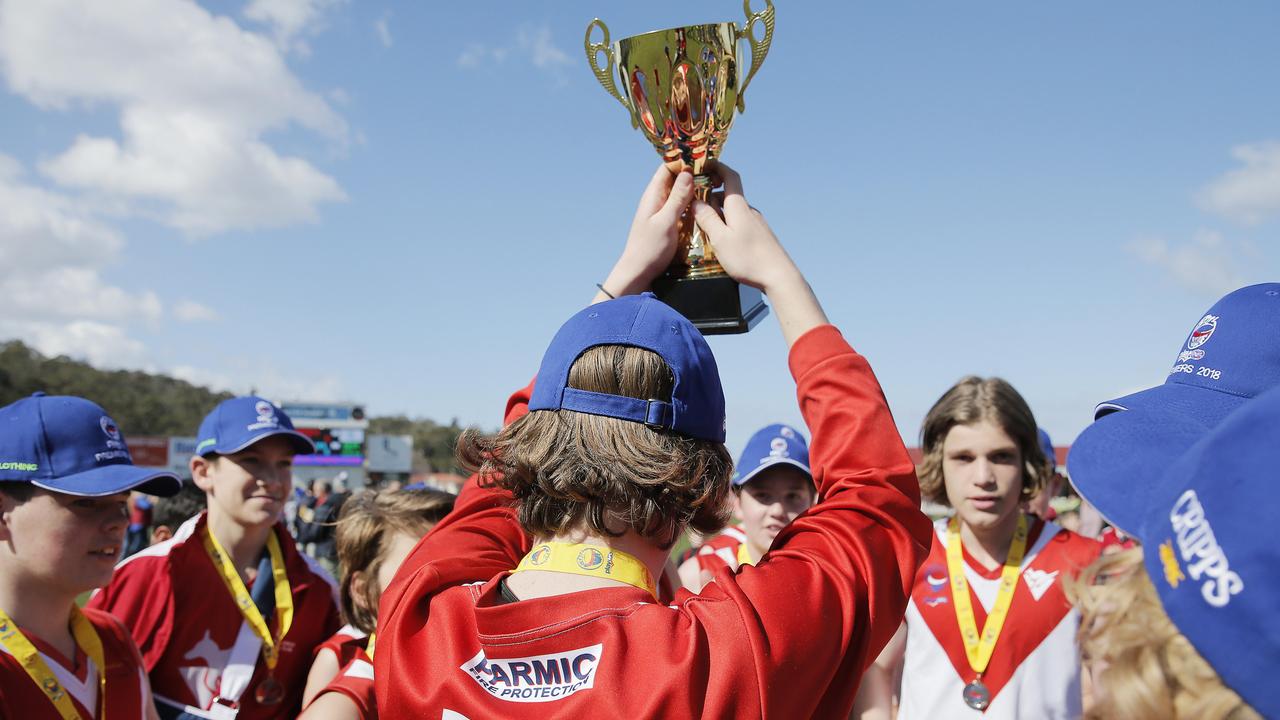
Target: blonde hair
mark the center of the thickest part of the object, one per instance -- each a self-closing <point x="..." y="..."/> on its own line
<point x="368" y="522"/>
<point x="969" y="401"/>
<point x="569" y="470"/>
<point x="1152" y="672"/>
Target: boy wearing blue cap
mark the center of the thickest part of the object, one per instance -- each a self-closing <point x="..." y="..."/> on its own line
<point x="771" y="487"/>
<point x="227" y="612"/>
<point x="1184" y="626"/>
<point x="65" y="477"/>
<point x="618" y="448"/>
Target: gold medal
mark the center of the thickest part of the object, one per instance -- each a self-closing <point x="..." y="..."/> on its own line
<point x="269" y="692"/>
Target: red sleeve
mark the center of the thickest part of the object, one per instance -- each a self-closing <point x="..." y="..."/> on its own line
<point x="475" y="542"/>
<point x="139" y="597"/>
<point x="355" y="680"/>
<point x="834" y="588"/>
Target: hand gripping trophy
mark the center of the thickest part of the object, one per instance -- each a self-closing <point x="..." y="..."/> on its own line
<point x="681" y="87"/>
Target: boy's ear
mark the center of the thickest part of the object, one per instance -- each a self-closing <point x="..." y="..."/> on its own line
<point x="735" y="499"/>
<point x="160" y="533"/>
<point x="7" y="505"/>
<point x="200" y="472"/>
<point x="359" y="582"/>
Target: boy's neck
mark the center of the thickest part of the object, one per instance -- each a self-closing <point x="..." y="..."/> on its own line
<point x="545" y="583"/>
<point x="244" y="543"/>
<point x="990" y="545"/>
<point x="39" y="610"/>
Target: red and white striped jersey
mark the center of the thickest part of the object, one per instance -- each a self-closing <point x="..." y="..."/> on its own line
<point x="1035" y="669"/>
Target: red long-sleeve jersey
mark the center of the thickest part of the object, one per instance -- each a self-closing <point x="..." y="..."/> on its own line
<point x="781" y="639"/>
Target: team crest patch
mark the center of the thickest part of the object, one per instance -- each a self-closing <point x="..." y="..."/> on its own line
<point x="109" y="428"/>
<point x="541" y="555"/>
<point x="1038" y="581"/>
<point x="936" y="577"/>
<point x="266" y="416"/>
<point x="538" y="678"/>
<point x="1202" y="332"/>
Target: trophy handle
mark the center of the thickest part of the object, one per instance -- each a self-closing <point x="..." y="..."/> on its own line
<point x="605" y="74"/>
<point x="759" y="48"/>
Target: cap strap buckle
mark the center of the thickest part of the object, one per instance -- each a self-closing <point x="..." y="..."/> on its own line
<point x="654" y="413"/>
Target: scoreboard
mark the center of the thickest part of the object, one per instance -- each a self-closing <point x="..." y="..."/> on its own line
<point x="338" y="431"/>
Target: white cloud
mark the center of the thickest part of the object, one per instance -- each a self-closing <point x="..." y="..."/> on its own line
<point x="532" y="44"/>
<point x="191" y="311"/>
<point x="1207" y="263"/>
<point x="101" y="344"/>
<point x="383" y="29"/>
<point x="196" y="94"/>
<point x="55" y="296"/>
<point x="1249" y="194"/>
<point x="288" y="19"/>
<point x="537" y="43"/>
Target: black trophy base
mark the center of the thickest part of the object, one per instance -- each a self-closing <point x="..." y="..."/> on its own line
<point x="716" y="305"/>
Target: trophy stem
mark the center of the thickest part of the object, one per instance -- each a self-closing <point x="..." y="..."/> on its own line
<point x="695" y="257"/>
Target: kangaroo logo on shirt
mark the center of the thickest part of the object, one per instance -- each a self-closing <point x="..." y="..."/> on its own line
<point x="539" y="678"/>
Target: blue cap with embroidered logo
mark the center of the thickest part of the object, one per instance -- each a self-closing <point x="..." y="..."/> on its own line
<point x="696" y="405"/>
<point x="770" y="446"/>
<point x="239" y="422"/>
<point x="70" y="445"/>
<point x="1231" y="355"/>
<point x="1213" y="565"/>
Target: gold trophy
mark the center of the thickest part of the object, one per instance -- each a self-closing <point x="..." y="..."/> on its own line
<point x="682" y="89"/>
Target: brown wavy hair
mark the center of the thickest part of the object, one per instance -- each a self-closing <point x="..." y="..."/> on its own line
<point x="1152" y="671"/>
<point x="572" y="471"/>
<point x="972" y="400"/>
<point x="367" y="523"/>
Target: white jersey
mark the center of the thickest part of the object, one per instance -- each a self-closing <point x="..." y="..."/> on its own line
<point x="1035" y="669"/>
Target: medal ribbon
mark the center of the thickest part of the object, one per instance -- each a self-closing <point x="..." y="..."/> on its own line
<point x="744" y="556"/>
<point x="590" y="560"/>
<point x="29" y="657"/>
<point x="284" y="594"/>
<point x="979" y="648"/>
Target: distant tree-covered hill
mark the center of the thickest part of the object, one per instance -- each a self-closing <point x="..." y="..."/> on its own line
<point x="141" y="403"/>
<point x="147" y="404"/>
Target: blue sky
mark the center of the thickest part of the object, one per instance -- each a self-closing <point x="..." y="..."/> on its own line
<point x="398" y="203"/>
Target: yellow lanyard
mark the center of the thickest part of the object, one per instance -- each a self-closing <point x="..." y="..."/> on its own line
<point x="284" y="594"/>
<point x="85" y="636"/>
<point x="979" y="649"/>
<point x="590" y="560"/>
<point x="744" y="557"/>
<point x="368" y="650"/>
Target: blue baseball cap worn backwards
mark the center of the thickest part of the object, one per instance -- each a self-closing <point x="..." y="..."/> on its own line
<point x="71" y="446"/>
<point x="239" y="422"/>
<point x="1208" y="550"/>
<point x="696" y="406"/>
<point x="770" y="446"/>
<point x="1231" y="355"/>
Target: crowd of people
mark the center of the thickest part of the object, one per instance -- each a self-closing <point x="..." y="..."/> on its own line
<point x="553" y="585"/>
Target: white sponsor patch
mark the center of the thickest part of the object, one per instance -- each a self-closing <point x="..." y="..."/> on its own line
<point x="540" y="678"/>
<point x="1038" y="581"/>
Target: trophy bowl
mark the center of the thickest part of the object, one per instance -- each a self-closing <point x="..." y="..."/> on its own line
<point x="681" y="88"/>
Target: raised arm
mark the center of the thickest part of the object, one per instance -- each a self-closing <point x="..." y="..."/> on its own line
<point x="834" y="587"/>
